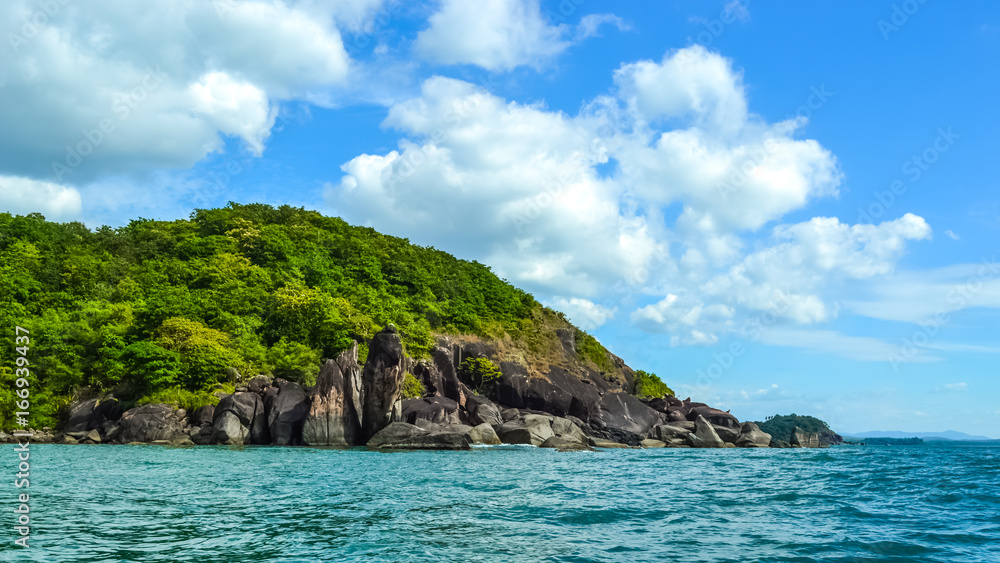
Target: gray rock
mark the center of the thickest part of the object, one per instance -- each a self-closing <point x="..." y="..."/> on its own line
<point x="483" y="434"/>
<point x="650" y="443"/>
<point x="149" y="423"/>
<point x="403" y="436"/>
<point x="228" y="430"/>
<point x="482" y="410"/>
<point x="566" y="428"/>
<point x="751" y="436"/>
<point x="203" y="415"/>
<point x="621" y="411"/>
<point x="248" y="408"/>
<point x="672" y="431"/>
<point x="382" y="379"/>
<point x="704" y="435"/>
<point x="729" y="435"/>
<point x="93" y="437"/>
<point x="334" y="416"/>
<point x="440" y="410"/>
<point x="530" y="429"/>
<point x="286" y="413"/>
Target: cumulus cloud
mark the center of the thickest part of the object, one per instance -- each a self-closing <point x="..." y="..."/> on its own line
<point x="582" y="312"/>
<point x="21" y="196"/>
<point x="582" y="208"/>
<point x="101" y="90"/>
<point x="494" y="34"/>
<point x="501" y="35"/>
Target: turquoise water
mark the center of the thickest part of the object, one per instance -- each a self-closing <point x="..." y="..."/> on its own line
<point x="212" y="504"/>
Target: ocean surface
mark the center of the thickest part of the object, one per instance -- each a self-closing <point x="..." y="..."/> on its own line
<point x="509" y="503"/>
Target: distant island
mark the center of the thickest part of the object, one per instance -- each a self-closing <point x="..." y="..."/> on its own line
<point x="256" y="325"/>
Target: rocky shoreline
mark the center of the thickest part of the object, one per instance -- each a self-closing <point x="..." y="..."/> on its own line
<point x="359" y="405"/>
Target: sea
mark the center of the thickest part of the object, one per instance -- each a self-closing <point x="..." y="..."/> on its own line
<point x="105" y="503"/>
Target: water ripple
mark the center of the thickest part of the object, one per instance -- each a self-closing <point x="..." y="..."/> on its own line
<point x="216" y="504"/>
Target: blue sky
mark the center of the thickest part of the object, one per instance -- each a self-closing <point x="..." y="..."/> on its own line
<point x="778" y="207"/>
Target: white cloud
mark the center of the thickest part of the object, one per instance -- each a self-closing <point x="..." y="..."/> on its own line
<point x="166" y="78"/>
<point x="494" y="34"/>
<point x="524" y="189"/>
<point x="590" y="25"/>
<point x="929" y="297"/>
<point x="951" y="234"/>
<point x="737" y="9"/>
<point x="953" y="387"/>
<point x="582" y="312"/>
<point x="21" y="196"/>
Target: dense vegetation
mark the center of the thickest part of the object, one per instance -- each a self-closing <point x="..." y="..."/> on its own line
<point x="174" y="310"/>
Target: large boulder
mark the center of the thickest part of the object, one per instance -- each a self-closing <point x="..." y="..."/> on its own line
<point x="334" y="416"/>
<point x="483" y="434"/>
<point x="751" y="436"/>
<point x="728" y="435"/>
<point x="621" y="411"/>
<point x="92" y="414"/>
<point x="704" y="435"/>
<point x="531" y="429"/>
<point x="150" y="423"/>
<point x="565" y="428"/>
<point x="403" y="436"/>
<point x="439" y="410"/>
<point x="672" y="431"/>
<point x="481" y="410"/>
<point x="228" y="430"/>
<point x="248" y="409"/>
<point x="382" y="380"/>
<point x="803" y="439"/>
<point x="286" y="413"/>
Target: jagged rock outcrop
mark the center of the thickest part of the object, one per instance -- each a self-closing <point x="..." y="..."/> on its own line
<point x="334" y="416"/>
<point x="751" y="436"/>
<point x="704" y="435"/>
<point x="382" y="380"/>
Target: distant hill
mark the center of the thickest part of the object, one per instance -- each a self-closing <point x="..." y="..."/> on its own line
<point x="949" y="435"/>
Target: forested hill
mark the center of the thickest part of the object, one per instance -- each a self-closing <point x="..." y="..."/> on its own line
<point x="171" y="308"/>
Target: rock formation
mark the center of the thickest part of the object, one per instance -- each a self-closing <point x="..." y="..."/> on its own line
<point x="334" y="416"/>
<point x="381" y="380"/>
